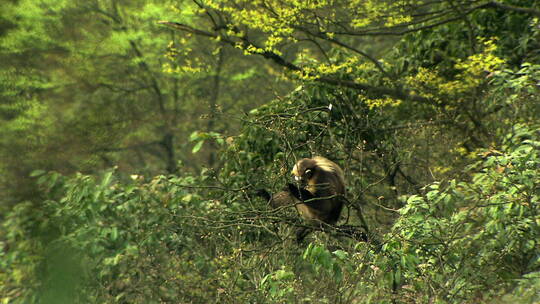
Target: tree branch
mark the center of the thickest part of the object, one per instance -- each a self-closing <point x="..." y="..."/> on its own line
<point x="508" y="7"/>
<point x="344" y="45"/>
<point x="410" y="26"/>
<point x="376" y="91"/>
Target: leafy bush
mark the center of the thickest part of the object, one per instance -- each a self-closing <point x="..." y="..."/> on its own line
<point x="104" y="241"/>
<point x="469" y="241"/>
<point x="186" y="239"/>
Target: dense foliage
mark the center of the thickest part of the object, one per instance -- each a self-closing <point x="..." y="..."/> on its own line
<point x="87" y="85"/>
<point x="134" y="137"/>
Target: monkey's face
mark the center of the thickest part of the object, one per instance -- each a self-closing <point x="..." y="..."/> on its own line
<point x="304" y="178"/>
<point x="303" y="171"/>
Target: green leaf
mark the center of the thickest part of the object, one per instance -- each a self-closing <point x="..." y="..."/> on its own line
<point x="341" y="254"/>
<point x="338" y="273"/>
<point x="283" y="274"/>
<point x="36" y="173"/>
<point x="194" y="136"/>
<point x="197" y="147"/>
<point x="106" y="179"/>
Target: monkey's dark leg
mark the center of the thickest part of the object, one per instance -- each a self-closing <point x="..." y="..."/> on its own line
<point x="301" y="233"/>
<point x="333" y="217"/>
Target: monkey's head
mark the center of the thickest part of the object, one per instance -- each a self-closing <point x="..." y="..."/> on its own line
<point x="311" y="173"/>
<point x="304" y="170"/>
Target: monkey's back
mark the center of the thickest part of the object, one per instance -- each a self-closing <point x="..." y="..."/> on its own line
<point x="328" y="187"/>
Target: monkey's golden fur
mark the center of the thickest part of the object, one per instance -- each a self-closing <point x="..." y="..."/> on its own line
<point x="319" y="195"/>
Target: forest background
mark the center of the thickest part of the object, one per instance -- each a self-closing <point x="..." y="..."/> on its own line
<point x="135" y="134"/>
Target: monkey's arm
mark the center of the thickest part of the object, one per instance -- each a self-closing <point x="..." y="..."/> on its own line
<point x="300" y="193"/>
<point x="264" y="194"/>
